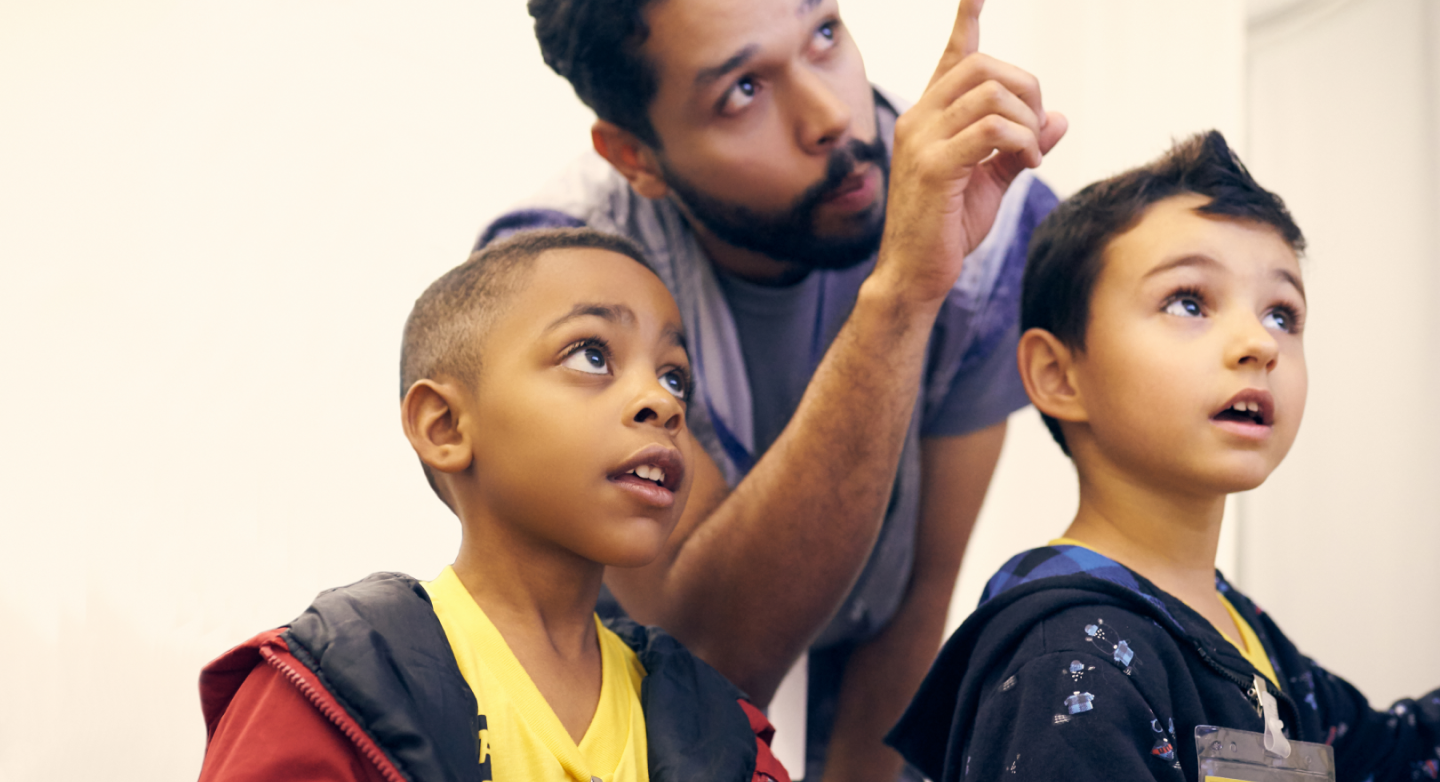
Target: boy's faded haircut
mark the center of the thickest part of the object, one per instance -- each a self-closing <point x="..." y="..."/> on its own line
<point x="1067" y="250"/>
<point x="451" y="318"/>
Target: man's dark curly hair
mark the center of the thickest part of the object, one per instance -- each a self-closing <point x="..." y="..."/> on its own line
<point x="595" y="45"/>
<point x="1066" y="251"/>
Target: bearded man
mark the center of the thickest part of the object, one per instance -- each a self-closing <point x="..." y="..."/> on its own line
<point x="848" y="272"/>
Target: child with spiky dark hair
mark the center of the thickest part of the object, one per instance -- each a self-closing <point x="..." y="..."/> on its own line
<point x="1163" y="313"/>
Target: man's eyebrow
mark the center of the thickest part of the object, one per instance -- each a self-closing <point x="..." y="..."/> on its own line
<point x="615" y="313"/>
<point x="806" y="6"/>
<point x="708" y="76"/>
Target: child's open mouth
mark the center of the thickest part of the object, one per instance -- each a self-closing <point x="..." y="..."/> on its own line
<point x="1251" y="407"/>
<point x="649" y="472"/>
<point x="654" y="473"/>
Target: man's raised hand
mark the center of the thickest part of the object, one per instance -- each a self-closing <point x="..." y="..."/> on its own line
<point x="979" y="123"/>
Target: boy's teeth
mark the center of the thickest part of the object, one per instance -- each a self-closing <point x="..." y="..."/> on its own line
<point x="649" y="472"/>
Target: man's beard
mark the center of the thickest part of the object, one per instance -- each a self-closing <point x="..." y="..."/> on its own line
<point x="790" y="235"/>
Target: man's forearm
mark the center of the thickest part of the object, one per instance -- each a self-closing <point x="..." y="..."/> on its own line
<point x="883" y="673"/>
<point x="752" y="584"/>
<point x="880" y="678"/>
<point x="749" y="587"/>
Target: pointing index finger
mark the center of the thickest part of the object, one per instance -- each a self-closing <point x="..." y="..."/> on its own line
<point x="964" y="38"/>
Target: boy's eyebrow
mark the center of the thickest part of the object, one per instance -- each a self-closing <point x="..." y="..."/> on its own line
<point x="1205" y="260"/>
<point x="1285" y="275"/>
<point x="615" y="313"/>
<point x="1184" y="260"/>
<point x="676" y="335"/>
<point x="710" y="75"/>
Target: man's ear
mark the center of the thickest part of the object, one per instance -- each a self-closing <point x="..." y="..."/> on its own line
<point x="431" y="414"/>
<point x="1047" y="369"/>
<point x="630" y="156"/>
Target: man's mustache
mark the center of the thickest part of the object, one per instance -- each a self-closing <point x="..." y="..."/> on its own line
<point x="842" y="163"/>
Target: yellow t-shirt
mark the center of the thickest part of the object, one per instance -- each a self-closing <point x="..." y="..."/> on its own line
<point x="520" y="737"/>
<point x="1248" y="646"/>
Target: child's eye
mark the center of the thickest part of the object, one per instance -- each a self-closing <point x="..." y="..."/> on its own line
<point x="1282" y="318"/>
<point x="1185" y="306"/>
<point x="677" y="382"/>
<point x="589" y="359"/>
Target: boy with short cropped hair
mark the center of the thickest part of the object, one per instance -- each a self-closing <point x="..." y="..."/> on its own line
<point x="1164" y="315"/>
<point x="544" y="387"/>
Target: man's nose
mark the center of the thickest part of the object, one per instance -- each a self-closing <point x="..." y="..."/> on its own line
<point x="822" y="119"/>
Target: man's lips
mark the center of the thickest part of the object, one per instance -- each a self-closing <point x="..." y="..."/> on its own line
<point x="855" y="191"/>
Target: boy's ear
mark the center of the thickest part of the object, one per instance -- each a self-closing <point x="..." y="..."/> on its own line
<point x="630" y="156"/>
<point x="431" y="413"/>
<point x="1047" y="369"/>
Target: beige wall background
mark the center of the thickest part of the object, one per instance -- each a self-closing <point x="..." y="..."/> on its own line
<point x="214" y="217"/>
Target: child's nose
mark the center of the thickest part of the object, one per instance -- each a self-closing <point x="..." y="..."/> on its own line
<point x="1254" y="345"/>
<point x="655" y="405"/>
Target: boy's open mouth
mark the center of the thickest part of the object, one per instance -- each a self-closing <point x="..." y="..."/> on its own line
<point x="1251" y="406"/>
<point x="649" y="472"/>
<point x="654" y="465"/>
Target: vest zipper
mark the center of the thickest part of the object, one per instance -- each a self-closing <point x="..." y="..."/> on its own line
<point x="352" y="731"/>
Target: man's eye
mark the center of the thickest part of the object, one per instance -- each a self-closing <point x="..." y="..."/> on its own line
<point x="1184" y="307"/>
<point x="739" y="96"/>
<point x="677" y="383"/>
<point x="825" y="35"/>
<point x="591" y="360"/>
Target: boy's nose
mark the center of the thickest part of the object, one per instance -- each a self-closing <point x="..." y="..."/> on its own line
<point x="657" y="406"/>
<point x="1254" y="344"/>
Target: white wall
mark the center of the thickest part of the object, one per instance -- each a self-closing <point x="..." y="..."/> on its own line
<point x="1341" y="543"/>
<point x="215" y="217"/>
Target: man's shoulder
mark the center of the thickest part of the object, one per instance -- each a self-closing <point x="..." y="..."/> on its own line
<point x="587" y="192"/>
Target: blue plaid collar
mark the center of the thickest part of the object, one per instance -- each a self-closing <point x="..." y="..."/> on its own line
<point x="1067" y="560"/>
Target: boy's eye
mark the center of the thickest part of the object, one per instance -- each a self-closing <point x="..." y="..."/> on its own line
<point x="591" y="360"/>
<point x="1281" y="318"/>
<point x="1184" y="307"/>
<point x="676" y="382"/>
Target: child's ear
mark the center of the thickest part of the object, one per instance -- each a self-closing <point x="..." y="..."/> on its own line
<point x="1047" y="369"/>
<point x="630" y="156"/>
<point x="431" y="413"/>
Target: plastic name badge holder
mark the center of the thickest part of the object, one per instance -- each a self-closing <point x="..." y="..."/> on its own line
<point x="1231" y="755"/>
